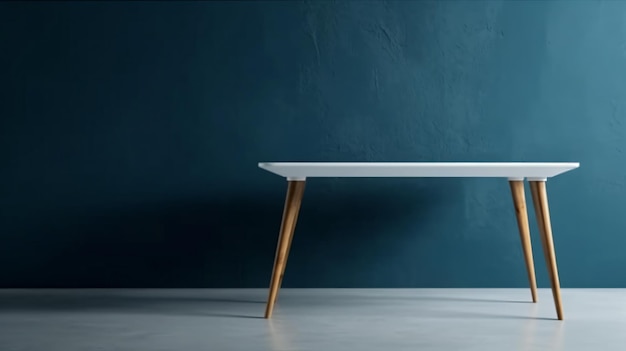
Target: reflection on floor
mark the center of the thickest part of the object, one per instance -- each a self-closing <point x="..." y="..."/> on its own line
<point x="311" y="319"/>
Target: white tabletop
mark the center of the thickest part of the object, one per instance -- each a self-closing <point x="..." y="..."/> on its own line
<point x="510" y="170"/>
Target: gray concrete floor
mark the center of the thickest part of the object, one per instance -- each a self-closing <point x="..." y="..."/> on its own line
<point x="311" y="319"/>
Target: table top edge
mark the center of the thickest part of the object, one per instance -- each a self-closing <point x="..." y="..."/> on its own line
<point x="422" y="164"/>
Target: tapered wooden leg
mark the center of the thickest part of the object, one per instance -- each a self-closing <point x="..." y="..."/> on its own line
<point x="519" y="201"/>
<point x="295" y="190"/>
<point x="284" y="267"/>
<point x="540" y="201"/>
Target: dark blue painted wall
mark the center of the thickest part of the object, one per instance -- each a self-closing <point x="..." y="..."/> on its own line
<point x="130" y="134"/>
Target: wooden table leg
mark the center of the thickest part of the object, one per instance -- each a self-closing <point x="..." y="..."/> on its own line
<point x="540" y="201"/>
<point x="519" y="201"/>
<point x="295" y="190"/>
<point x="289" y="240"/>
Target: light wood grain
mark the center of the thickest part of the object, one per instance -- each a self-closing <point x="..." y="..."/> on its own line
<point x="289" y="241"/>
<point x="293" y="200"/>
<point x="521" y="213"/>
<point x="542" y="213"/>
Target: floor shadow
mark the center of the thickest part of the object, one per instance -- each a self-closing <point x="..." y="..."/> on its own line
<point x="499" y="316"/>
<point x="465" y="299"/>
<point x="436" y="298"/>
<point x="226" y="315"/>
<point x="68" y="301"/>
<point x="90" y="301"/>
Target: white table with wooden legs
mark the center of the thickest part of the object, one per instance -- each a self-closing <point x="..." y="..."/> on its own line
<point x="516" y="172"/>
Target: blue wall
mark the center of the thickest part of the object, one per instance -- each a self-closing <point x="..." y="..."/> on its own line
<point x="130" y="135"/>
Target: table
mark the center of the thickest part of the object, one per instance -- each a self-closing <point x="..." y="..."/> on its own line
<point x="536" y="173"/>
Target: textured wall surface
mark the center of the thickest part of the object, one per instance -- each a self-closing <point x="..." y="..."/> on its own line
<point x="130" y="134"/>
